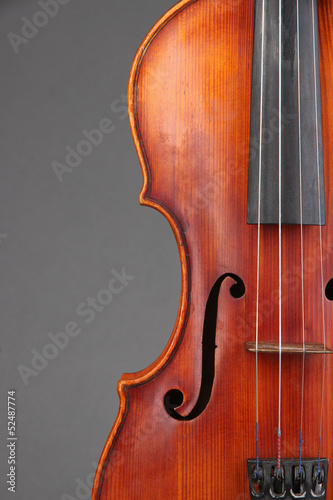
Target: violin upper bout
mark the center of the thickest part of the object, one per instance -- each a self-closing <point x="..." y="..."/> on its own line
<point x="187" y="97"/>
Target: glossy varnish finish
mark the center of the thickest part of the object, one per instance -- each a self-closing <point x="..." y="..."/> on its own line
<point x="189" y="98"/>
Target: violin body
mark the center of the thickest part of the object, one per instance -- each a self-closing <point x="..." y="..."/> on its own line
<point x="190" y="103"/>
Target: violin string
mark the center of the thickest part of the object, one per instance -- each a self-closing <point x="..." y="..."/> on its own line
<point x="301" y="235"/>
<point x="320" y="233"/>
<point x="259" y="222"/>
<point x="280" y="231"/>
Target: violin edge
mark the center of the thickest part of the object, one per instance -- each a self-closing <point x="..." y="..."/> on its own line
<point x="143" y="376"/>
<point x="131" y="380"/>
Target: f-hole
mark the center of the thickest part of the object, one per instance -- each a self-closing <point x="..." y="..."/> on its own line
<point x="329" y="290"/>
<point x="174" y="398"/>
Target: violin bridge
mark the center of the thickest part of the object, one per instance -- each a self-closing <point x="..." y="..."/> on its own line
<point x="273" y="347"/>
<point x="291" y="481"/>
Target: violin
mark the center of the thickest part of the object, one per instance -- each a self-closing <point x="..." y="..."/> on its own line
<point x="231" y="111"/>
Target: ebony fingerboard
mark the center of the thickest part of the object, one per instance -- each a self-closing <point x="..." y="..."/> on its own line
<point x="300" y="125"/>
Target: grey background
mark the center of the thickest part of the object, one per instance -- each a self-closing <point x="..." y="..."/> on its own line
<point x="59" y="241"/>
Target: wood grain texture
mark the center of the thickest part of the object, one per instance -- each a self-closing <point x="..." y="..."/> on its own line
<point x="189" y="101"/>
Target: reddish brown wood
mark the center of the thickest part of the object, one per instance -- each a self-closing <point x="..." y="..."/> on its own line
<point x="189" y="101"/>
